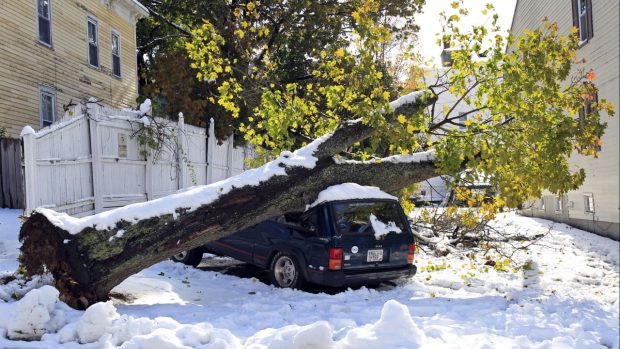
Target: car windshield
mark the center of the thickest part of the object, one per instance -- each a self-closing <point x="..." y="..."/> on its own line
<point x="369" y="218"/>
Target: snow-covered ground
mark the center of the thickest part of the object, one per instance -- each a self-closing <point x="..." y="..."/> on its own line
<point x="561" y="294"/>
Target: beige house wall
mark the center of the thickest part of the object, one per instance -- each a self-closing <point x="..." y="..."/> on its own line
<point x="601" y="54"/>
<point x="27" y="65"/>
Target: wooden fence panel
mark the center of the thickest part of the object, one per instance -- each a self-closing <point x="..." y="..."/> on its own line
<point x="94" y="162"/>
<point x="11" y="178"/>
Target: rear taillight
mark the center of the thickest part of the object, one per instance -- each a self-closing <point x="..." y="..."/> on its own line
<point x="410" y="253"/>
<point x="335" y="258"/>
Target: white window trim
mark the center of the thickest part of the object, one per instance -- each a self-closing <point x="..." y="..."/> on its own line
<point x="36" y="10"/>
<point x="93" y="19"/>
<point x="586" y="204"/>
<point x="114" y="32"/>
<point x="48" y="91"/>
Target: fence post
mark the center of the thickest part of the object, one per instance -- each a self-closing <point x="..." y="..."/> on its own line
<point x="95" y="155"/>
<point x="210" y="151"/>
<point x="30" y="169"/>
<point x="182" y="152"/>
<point x="148" y="172"/>
<point x="229" y="155"/>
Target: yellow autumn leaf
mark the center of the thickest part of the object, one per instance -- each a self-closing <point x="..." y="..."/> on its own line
<point x="340" y="52"/>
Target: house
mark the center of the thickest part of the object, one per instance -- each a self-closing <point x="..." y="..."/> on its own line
<point x="56" y="52"/>
<point x="596" y="205"/>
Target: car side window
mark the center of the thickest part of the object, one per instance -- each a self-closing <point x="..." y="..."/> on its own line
<point x="310" y="222"/>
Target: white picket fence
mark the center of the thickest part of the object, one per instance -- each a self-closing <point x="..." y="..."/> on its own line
<point x="90" y="163"/>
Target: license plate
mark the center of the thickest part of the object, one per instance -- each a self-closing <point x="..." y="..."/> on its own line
<point x="374" y="256"/>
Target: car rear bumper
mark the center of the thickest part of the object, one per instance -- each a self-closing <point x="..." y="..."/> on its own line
<point x="342" y="278"/>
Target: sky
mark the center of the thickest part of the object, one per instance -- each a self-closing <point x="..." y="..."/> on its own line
<point x="430" y="24"/>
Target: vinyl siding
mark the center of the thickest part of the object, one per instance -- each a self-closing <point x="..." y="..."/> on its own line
<point x="601" y="54"/>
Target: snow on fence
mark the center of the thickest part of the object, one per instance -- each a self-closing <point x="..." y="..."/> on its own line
<point x="93" y="162"/>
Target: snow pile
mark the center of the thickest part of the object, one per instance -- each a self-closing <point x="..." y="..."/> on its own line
<point x="145" y="107"/>
<point x="350" y="191"/>
<point x="96" y="321"/>
<point x="102" y="324"/>
<point x="316" y="335"/>
<point x="192" y="198"/>
<point x="395" y="329"/>
<point x="27" y="130"/>
<point x="34" y="315"/>
<point x="381" y="229"/>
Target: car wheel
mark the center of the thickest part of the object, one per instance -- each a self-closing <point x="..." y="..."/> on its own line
<point x="284" y="271"/>
<point x="191" y="257"/>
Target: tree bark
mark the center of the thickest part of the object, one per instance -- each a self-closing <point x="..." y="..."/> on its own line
<point x="87" y="265"/>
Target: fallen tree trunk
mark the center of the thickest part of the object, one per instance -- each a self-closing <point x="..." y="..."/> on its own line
<point x="89" y="256"/>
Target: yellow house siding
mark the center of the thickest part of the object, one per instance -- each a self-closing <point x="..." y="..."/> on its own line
<point x="601" y="54"/>
<point x="28" y="64"/>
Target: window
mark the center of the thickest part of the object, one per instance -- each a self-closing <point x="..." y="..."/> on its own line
<point x="47" y="106"/>
<point x="558" y="204"/>
<point x="44" y="26"/>
<point x="583" y="112"/>
<point x="582" y="19"/>
<point x="368" y="218"/>
<point x="588" y="200"/>
<point x="116" y="54"/>
<point x="541" y="204"/>
<point x="462" y="119"/>
<point x="93" y="42"/>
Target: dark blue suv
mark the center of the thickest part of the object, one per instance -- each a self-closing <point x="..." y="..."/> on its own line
<point x="337" y="243"/>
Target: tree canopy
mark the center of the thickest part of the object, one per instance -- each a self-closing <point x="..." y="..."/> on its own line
<point x="522" y="104"/>
<point x="262" y="42"/>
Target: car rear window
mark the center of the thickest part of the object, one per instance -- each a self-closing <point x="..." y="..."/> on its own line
<point x="369" y="218"/>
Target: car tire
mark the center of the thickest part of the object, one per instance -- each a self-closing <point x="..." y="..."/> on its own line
<point x="191" y="257"/>
<point x="284" y="271"/>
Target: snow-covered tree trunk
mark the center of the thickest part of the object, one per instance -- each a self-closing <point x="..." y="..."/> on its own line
<point x="89" y="256"/>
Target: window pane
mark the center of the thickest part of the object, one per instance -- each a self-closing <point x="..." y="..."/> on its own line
<point x="359" y="218"/>
<point x="93" y="55"/>
<point x="92" y="33"/>
<point x="44" y="31"/>
<point x="583" y="33"/>
<point x="43" y="6"/>
<point x="116" y="65"/>
<point x="47" y="109"/>
<point x="115" y="46"/>
<point x="582" y="6"/>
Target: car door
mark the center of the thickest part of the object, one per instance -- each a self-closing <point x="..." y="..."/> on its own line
<point x="239" y="245"/>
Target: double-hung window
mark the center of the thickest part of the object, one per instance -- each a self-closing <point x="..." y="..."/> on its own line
<point x="93" y="42"/>
<point x="582" y="19"/>
<point x="47" y="106"/>
<point x="116" y="54"/>
<point x="558" y="204"/>
<point x="588" y="202"/>
<point x="44" y="17"/>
